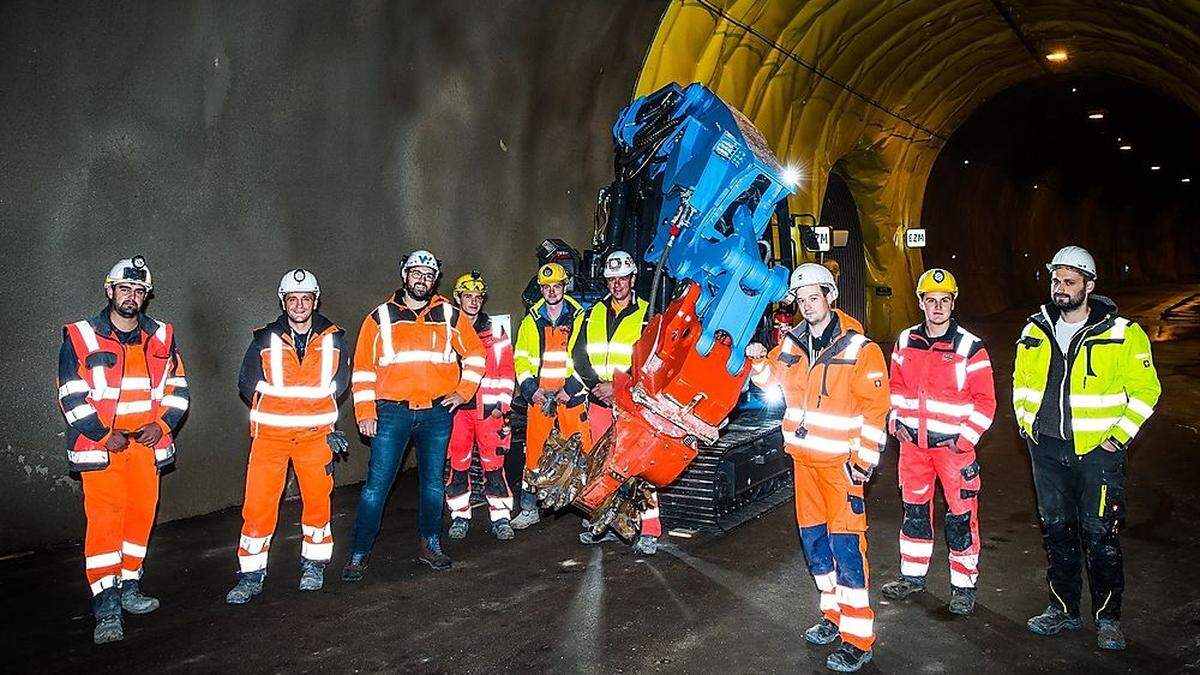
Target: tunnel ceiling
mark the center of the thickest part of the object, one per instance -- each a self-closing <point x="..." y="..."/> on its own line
<point x="874" y="88"/>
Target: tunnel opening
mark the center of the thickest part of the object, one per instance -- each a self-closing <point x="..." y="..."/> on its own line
<point x="840" y="213"/>
<point x="1098" y="161"/>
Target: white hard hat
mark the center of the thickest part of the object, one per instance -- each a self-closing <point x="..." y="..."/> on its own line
<point x="619" y="264"/>
<point x="420" y="258"/>
<point x="130" y="271"/>
<point x="1074" y="256"/>
<point x="812" y="274"/>
<point x="299" y="281"/>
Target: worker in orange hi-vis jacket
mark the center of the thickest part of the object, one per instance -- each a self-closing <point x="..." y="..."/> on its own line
<point x="294" y="371"/>
<point x="835" y="386"/>
<point x="122" y="389"/>
<point x="417" y="359"/>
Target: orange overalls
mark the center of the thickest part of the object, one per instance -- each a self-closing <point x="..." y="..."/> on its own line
<point x="837" y="407"/>
<point x="543" y="361"/>
<point x="109" y="383"/>
<point x="293" y="407"/>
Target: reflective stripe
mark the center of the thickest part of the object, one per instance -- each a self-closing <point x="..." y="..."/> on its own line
<point x="554" y="372"/>
<point x="493" y="399"/>
<point x="79" y="412"/>
<point x="874" y="376"/>
<point x="968" y="561"/>
<point x="916" y="549"/>
<point x="979" y="366"/>
<point x="254" y="544"/>
<point x="826" y="582"/>
<point x="317" y="534"/>
<point x="1139" y="407"/>
<point x="131" y="575"/>
<point x="293" y="421"/>
<point x="910" y="422"/>
<point x="559" y="356"/>
<point x="962" y="580"/>
<point x="275" y="358"/>
<point x="471" y="376"/>
<point x="318" y="552"/>
<point x="177" y="402"/>
<point x="902" y="402"/>
<point x="969" y="433"/>
<point x="1025" y="394"/>
<point x="176" y="381"/>
<point x="910" y="568"/>
<point x="943" y="408"/>
<point x="163" y="454"/>
<point x="415" y="356"/>
<point x="288" y="391"/>
<point x="1095" y="424"/>
<point x="825" y="420"/>
<point x="141" y="383"/>
<point x="128" y="407"/>
<point x="1098" y="400"/>
<point x="980" y="420"/>
<point x="1128" y="426"/>
<point x="104" y="583"/>
<point x="88" y="335"/>
<point x="87" y="457"/>
<point x="363" y="376"/>
<point x="819" y="444"/>
<point x="869" y="456"/>
<point x="73" y="387"/>
<point x="136" y="550"/>
<point x="856" y="626"/>
<point x="365" y="395"/>
<point x="940" y="427"/>
<point x="103" y="560"/>
<point x="385" y="334"/>
<point x="476" y="361"/>
<point x="253" y="562"/>
<point x="898" y="358"/>
<point x="829" y="602"/>
<point x="853" y="597"/>
<point x="856" y="343"/>
<point x="872" y="434"/>
<point x="327" y="364"/>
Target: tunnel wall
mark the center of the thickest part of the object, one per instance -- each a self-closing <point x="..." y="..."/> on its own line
<point x="230" y="141"/>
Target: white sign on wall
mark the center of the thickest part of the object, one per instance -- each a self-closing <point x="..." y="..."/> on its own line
<point x="914" y="238"/>
<point x="823" y="235"/>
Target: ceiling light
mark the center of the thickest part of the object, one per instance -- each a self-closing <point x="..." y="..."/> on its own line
<point x="1057" y="56"/>
<point x="1096" y="115"/>
<point x="1185" y="180"/>
<point x="1126" y="147"/>
<point x="966" y="161"/>
<point x="1155" y="167"/>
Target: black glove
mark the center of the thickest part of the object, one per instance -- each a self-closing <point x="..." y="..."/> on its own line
<point x="338" y="443"/>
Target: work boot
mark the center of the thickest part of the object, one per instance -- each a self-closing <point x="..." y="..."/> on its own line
<point x="1053" y="620"/>
<point x="902" y="587"/>
<point x="458" y="528"/>
<point x="107" y="609"/>
<point x="962" y="600"/>
<point x="431" y="554"/>
<point x="503" y="529"/>
<point x="588" y="539"/>
<point x="530" y="513"/>
<point x="312" y="575"/>
<point x="847" y="659"/>
<point x="1108" y="634"/>
<point x="646" y="545"/>
<point x="355" y="567"/>
<point x="249" y="584"/>
<point x="134" y="601"/>
<point x="822" y="632"/>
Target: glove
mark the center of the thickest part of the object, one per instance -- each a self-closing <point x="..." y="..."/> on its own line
<point x="338" y="443"/>
<point x="859" y="475"/>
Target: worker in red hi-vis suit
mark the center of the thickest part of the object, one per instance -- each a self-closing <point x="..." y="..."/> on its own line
<point x="943" y="399"/>
<point x="482" y="422"/>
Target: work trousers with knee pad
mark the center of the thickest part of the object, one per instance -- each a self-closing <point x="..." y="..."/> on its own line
<point x="920" y="471"/>
<point x="832" y="520"/>
<point x="1081" y="503"/>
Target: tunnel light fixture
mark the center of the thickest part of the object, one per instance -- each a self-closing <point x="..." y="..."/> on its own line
<point x="1035" y="186"/>
<point x="954" y="256"/>
<point x="791" y="176"/>
<point x="1096" y="115"/>
<point x="1185" y="180"/>
<point x="1074" y="90"/>
<point x="1126" y="147"/>
<point x="1057" y="56"/>
<point x="1155" y="167"/>
<point x="966" y="162"/>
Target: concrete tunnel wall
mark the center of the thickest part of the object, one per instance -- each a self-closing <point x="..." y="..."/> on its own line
<point x="230" y="141"/>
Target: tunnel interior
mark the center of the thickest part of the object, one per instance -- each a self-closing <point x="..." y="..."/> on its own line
<point x="1098" y="161"/>
<point x="840" y="213"/>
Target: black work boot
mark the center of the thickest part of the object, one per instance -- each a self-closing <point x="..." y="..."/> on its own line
<point x="902" y="587"/>
<point x="355" y="567"/>
<point x="962" y="600"/>
<point x="503" y="529"/>
<point x="134" y="601"/>
<point x="1052" y="621"/>
<point x="249" y="584"/>
<point x="458" y="528"/>
<point x="107" y="609"/>
<point x="431" y="554"/>
<point x="822" y="632"/>
<point x="1108" y="634"/>
<point x="847" y="659"/>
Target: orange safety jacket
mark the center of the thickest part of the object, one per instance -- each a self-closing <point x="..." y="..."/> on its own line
<point x="106" y="385"/>
<point x="415" y="357"/>
<point x="837" y="398"/>
<point x="292" y="397"/>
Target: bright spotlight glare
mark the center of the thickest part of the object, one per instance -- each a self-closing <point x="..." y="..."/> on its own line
<point x="1057" y="56"/>
<point x="791" y="176"/>
<point x="774" y="395"/>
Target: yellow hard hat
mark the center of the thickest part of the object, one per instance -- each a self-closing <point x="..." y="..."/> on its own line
<point x="470" y="283"/>
<point x="551" y="273"/>
<point x="937" y="280"/>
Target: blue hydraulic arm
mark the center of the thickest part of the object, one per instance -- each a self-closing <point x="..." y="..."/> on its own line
<point x="720" y="185"/>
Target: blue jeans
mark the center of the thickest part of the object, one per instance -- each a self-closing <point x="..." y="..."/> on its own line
<point x="429" y="430"/>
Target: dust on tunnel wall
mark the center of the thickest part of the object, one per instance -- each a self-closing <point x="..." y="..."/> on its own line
<point x="230" y="141"/>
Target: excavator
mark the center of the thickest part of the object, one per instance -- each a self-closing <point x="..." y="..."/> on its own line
<point x="696" y="189"/>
